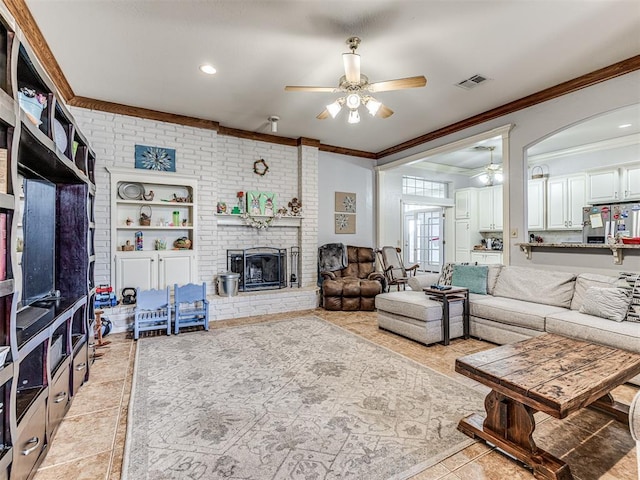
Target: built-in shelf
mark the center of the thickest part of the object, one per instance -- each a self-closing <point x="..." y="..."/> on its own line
<point x="237" y="220"/>
<point x="617" y="249"/>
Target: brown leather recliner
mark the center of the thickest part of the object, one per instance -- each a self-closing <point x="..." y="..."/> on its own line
<point x="356" y="286"/>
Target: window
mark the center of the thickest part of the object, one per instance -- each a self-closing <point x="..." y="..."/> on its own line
<point x="423" y="187"/>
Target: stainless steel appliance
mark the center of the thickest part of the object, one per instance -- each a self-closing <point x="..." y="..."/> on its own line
<point x="596" y="221"/>
<point x="616" y="220"/>
<point x="625" y="219"/>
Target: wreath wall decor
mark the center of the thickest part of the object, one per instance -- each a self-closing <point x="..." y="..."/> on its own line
<point x="260" y="167"/>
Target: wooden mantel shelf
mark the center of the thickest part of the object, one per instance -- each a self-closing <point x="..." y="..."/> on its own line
<point x="616" y="248"/>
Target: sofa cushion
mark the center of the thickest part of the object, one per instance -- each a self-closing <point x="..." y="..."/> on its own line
<point x="535" y="285"/>
<point x="419" y="282"/>
<point x="586" y="280"/>
<point x="512" y="312"/>
<point x="472" y="277"/>
<point x="415" y="305"/>
<point x="625" y="335"/>
<point x="609" y="303"/>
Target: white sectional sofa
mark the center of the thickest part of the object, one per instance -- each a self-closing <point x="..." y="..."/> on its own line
<point x="519" y="303"/>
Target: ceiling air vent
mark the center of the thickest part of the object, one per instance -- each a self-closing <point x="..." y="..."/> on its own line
<point x="472" y="81"/>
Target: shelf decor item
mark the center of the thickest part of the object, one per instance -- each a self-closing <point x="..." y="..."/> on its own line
<point x="155" y="158"/>
<point x="145" y="215"/>
<point x="182" y="243"/>
<point x="32" y="103"/>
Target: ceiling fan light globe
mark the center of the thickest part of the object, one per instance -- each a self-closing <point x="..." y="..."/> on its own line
<point x="373" y="106"/>
<point x="353" y="101"/>
<point x="498" y="176"/>
<point x="354" y="117"/>
<point x="351" y="67"/>
<point x="334" y="108"/>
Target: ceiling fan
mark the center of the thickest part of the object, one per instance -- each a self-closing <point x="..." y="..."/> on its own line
<point x="357" y="89"/>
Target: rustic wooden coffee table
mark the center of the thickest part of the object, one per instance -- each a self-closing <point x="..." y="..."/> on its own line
<point x="552" y="374"/>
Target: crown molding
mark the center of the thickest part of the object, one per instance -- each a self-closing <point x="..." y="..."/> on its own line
<point x="347" y="151"/>
<point x="111" y="107"/>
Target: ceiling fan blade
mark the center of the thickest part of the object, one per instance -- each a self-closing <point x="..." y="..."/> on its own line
<point x="289" y="88"/>
<point x="384" y="112"/>
<point x="351" y="67"/>
<point x="324" y="114"/>
<point x="399" y="84"/>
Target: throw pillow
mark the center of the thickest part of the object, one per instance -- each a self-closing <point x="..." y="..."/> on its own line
<point x="472" y="277"/>
<point x="447" y="272"/>
<point x="631" y="281"/>
<point x="586" y="280"/>
<point x="609" y="303"/>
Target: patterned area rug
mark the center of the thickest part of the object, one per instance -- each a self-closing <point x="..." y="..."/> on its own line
<point x="291" y="399"/>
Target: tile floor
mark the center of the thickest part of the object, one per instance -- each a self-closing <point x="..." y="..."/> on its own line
<point x="90" y="442"/>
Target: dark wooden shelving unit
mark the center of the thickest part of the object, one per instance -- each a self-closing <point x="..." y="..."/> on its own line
<point x="46" y="313"/>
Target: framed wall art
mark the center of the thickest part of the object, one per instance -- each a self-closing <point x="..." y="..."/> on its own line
<point x="345" y="223"/>
<point x="261" y="203"/>
<point x="155" y="158"/>
<point x="345" y="202"/>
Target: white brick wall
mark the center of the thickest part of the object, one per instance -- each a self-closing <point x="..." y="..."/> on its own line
<point x="223" y="166"/>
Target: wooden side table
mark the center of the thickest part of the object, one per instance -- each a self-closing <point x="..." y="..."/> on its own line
<point x="454" y="294"/>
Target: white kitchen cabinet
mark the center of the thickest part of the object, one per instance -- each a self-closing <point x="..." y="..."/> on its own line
<point x="147" y="270"/>
<point x="486" y="258"/>
<point x="490" y="208"/>
<point x="466" y="201"/>
<point x="536" y="204"/>
<point x="565" y="199"/>
<point x="156" y="262"/>
<point x="631" y="183"/>
<point x="603" y="186"/>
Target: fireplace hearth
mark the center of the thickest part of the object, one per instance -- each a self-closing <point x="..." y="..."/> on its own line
<point x="260" y="268"/>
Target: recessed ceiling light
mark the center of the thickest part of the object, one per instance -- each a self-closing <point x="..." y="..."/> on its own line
<point x="208" y="69"/>
<point x="625" y="125"/>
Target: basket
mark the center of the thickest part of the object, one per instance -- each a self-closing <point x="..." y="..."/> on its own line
<point x="145" y="215"/>
<point x="537" y="172"/>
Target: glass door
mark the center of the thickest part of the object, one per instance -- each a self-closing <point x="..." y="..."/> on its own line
<point x="423" y="237"/>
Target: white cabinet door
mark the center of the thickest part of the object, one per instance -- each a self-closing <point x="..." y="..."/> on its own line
<point x="465" y="201"/>
<point x="136" y="269"/>
<point x="576" y="199"/>
<point x="603" y="186"/>
<point x="631" y="183"/>
<point x="497" y="207"/>
<point x="557" y="203"/>
<point x="490" y="208"/>
<point x="536" y="204"/>
<point x="486" y="258"/>
<point x="176" y="267"/>
<point x="463" y="241"/>
<point x="485" y="209"/>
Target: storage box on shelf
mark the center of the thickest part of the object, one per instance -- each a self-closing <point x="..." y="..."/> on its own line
<point x="46" y="202"/>
<point x="150" y="211"/>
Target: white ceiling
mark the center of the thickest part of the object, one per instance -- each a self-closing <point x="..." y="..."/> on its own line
<point x="147" y="53"/>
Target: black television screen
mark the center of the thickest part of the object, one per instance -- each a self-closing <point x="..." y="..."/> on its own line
<point x="39" y="231"/>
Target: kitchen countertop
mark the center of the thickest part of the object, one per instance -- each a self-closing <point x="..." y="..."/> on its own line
<point x="616" y="248"/>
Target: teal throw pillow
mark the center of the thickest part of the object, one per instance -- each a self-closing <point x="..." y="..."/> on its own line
<point x="472" y="277"/>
